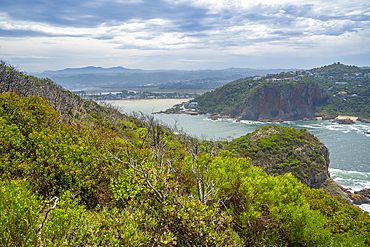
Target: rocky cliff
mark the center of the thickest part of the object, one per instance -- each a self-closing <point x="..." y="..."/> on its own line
<point x="283" y="101"/>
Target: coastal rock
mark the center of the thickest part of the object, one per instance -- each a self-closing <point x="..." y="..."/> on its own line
<point x="328" y="117"/>
<point x="358" y="197"/>
<point x="363" y="120"/>
<point x="344" y="121"/>
<point x="364" y="192"/>
<point x="309" y="118"/>
<point x="361" y="197"/>
<point x="283" y="101"/>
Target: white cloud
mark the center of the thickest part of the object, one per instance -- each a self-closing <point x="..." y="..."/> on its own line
<point x="208" y="33"/>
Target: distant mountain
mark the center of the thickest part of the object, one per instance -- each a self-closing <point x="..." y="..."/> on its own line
<point x="121" y="78"/>
<point x="91" y="70"/>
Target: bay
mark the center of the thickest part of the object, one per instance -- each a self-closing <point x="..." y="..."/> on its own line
<point x="348" y="145"/>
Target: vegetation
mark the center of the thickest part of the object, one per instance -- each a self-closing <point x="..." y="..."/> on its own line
<point x="279" y="150"/>
<point x="226" y="100"/>
<point x="100" y="178"/>
<point x="231" y="98"/>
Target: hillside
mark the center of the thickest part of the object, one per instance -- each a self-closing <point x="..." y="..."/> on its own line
<point x="107" y="179"/>
<point x="69" y="106"/>
<point x="327" y="91"/>
<point x="279" y="150"/>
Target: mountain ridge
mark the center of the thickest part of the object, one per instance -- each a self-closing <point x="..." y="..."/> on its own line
<point x="123" y="78"/>
<point x="90" y="70"/>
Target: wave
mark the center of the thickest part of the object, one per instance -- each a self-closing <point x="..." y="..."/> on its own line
<point x="359" y="128"/>
<point x="352" y="180"/>
<point x="365" y="207"/>
<point x="252" y="122"/>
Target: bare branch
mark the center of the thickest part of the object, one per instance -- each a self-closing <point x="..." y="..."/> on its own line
<point x="47" y="212"/>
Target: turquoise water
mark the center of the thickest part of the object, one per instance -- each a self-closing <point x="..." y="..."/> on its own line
<point x="349" y="146"/>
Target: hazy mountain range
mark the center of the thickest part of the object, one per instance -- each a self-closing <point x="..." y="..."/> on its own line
<point x="119" y="77"/>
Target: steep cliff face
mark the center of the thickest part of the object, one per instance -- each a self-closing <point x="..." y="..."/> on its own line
<point x="283" y="101"/>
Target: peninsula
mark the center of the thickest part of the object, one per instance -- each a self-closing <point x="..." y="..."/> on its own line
<point x="324" y="92"/>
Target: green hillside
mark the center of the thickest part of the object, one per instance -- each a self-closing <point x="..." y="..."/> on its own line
<point x="347" y="86"/>
<point x="90" y="176"/>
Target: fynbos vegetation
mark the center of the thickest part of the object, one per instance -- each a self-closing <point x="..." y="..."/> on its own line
<point x="90" y="176"/>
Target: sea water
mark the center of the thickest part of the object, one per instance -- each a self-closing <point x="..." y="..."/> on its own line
<point x="349" y="145"/>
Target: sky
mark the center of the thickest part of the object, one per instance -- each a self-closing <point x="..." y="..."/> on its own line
<point x="43" y="35"/>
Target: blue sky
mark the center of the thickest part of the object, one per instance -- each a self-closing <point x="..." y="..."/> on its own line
<point x="43" y="35"/>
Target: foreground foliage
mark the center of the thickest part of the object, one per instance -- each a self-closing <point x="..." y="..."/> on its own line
<point x="73" y="178"/>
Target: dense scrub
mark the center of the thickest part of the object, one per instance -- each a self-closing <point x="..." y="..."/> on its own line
<point x="132" y="182"/>
<point x="280" y="150"/>
<point x="226" y="100"/>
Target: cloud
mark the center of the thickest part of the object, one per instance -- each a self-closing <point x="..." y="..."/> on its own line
<point x="129" y="28"/>
<point x="188" y="17"/>
<point x="90" y="13"/>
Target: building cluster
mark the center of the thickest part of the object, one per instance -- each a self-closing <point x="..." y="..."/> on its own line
<point x="295" y="78"/>
<point x="356" y="76"/>
<point x="290" y="76"/>
<point x="131" y="95"/>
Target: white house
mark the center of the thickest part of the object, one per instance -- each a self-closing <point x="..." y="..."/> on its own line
<point x="193" y="105"/>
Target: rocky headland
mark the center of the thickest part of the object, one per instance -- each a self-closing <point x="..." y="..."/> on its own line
<point x="279" y="150"/>
<point x="298" y="95"/>
<point x="281" y="102"/>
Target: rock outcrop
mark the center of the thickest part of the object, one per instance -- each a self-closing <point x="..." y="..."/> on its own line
<point x="279" y="150"/>
<point x="359" y="197"/>
<point x="283" y="101"/>
<point x="344" y="121"/>
<point x="363" y="120"/>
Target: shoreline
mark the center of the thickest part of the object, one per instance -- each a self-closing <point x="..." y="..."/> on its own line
<point x="341" y="119"/>
<point x="141" y="100"/>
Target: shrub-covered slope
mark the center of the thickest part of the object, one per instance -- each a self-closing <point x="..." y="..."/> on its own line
<point x="89" y="181"/>
<point x="69" y="106"/>
<point x="278" y="150"/>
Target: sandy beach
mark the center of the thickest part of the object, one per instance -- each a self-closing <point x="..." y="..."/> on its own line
<point x="340" y="117"/>
<point x="147" y="105"/>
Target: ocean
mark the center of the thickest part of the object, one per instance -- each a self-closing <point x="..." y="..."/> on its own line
<point x="349" y="145"/>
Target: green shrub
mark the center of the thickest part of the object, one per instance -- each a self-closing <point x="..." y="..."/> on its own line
<point x="19" y="217"/>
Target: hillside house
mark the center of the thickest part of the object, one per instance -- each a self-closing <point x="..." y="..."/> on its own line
<point x="193" y="105"/>
<point x="342" y="94"/>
